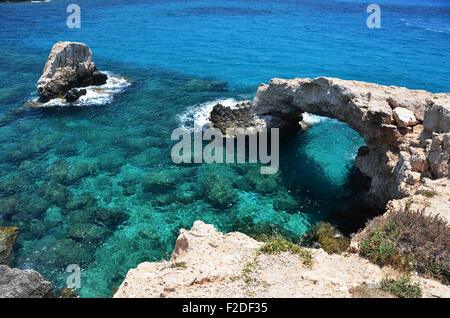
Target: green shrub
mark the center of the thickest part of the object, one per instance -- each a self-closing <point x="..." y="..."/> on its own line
<point x="426" y="193"/>
<point x="380" y="244"/>
<point x="402" y="287"/>
<point x="410" y="240"/>
<point x="178" y="265"/>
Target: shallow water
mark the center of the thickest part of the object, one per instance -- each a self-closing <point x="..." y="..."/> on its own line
<point x="94" y="185"/>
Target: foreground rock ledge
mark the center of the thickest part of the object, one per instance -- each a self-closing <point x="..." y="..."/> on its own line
<point x="207" y="263"/>
<point x="16" y="283"/>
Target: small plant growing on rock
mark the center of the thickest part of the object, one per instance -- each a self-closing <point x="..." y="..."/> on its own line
<point x="279" y="244"/>
<point x="178" y="265"/>
<point x="426" y="193"/>
<point x="402" y="287"/>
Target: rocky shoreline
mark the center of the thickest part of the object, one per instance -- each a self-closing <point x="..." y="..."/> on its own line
<point x="407" y="159"/>
<point x="207" y="263"/>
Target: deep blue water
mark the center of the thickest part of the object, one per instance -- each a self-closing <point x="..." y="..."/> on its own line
<point x="95" y="185"/>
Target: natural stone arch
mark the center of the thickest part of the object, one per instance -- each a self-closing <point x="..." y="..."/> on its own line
<point x="398" y="154"/>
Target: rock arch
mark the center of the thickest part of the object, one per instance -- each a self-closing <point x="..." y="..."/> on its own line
<point x="406" y="131"/>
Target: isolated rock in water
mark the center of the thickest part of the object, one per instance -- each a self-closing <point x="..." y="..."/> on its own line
<point x="404" y="117"/>
<point x="16" y="283"/>
<point x="74" y="94"/>
<point x="8" y="235"/>
<point x="69" y="65"/>
<point x="240" y="117"/>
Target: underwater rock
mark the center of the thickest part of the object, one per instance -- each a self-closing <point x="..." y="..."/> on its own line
<point x="187" y="193"/>
<point x="37" y="228"/>
<point x="61" y="172"/>
<point x="87" y="232"/>
<point x="262" y="183"/>
<point x="8" y="235"/>
<point x="67" y="148"/>
<point x="199" y="85"/>
<point x="69" y="65"/>
<point x="78" y="201"/>
<point x="9" y="206"/>
<point x="219" y="191"/>
<point x="80" y="216"/>
<point x="55" y="193"/>
<point x="160" y="181"/>
<point x="111" y="217"/>
<point x="53" y="217"/>
<point x="331" y="239"/>
<point x="285" y="203"/>
<point x="16" y="283"/>
<point x="58" y="253"/>
<point x="73" y="94"/>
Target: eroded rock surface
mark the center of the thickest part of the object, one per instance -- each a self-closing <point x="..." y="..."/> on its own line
<point x="16" y="283"/>
<point x="207" y="263"/>
<point x="8" y="235"/>
<point x="406" y="131"/>
<point x="69" y="65"/>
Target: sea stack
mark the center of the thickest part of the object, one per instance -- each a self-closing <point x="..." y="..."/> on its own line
<point x="68" y="66"/>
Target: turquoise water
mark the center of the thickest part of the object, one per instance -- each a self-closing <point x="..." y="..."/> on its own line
<point x="95" y="185"/>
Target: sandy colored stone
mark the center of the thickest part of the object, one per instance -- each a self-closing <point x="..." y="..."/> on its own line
<point x="404" y="117"/>
<point x="213" y="263"/>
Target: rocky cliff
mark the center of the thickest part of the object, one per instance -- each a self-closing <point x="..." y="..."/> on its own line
<point x="407" y="132"/>
<point x="207" y="263"/>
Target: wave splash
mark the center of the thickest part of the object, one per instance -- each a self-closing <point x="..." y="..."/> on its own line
<point x="95" y="95"/>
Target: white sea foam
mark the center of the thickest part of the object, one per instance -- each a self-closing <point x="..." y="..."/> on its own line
<point x="313" y="119"/>
<point x="95" y="95"/>
<point x="198" y="115"/>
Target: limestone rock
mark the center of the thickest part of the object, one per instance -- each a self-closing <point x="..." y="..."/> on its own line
<point x="438" y="154"/>
<point x="16" y="283"/>
<point x="418" y="160"/>
<point x="207" y="263"/>
<point x="69" y="65"/>
<point x="404" y="117"/>
<point x="437" y="115"/>
<point x="385" y="116"/>
<point x="8" y="235"/>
